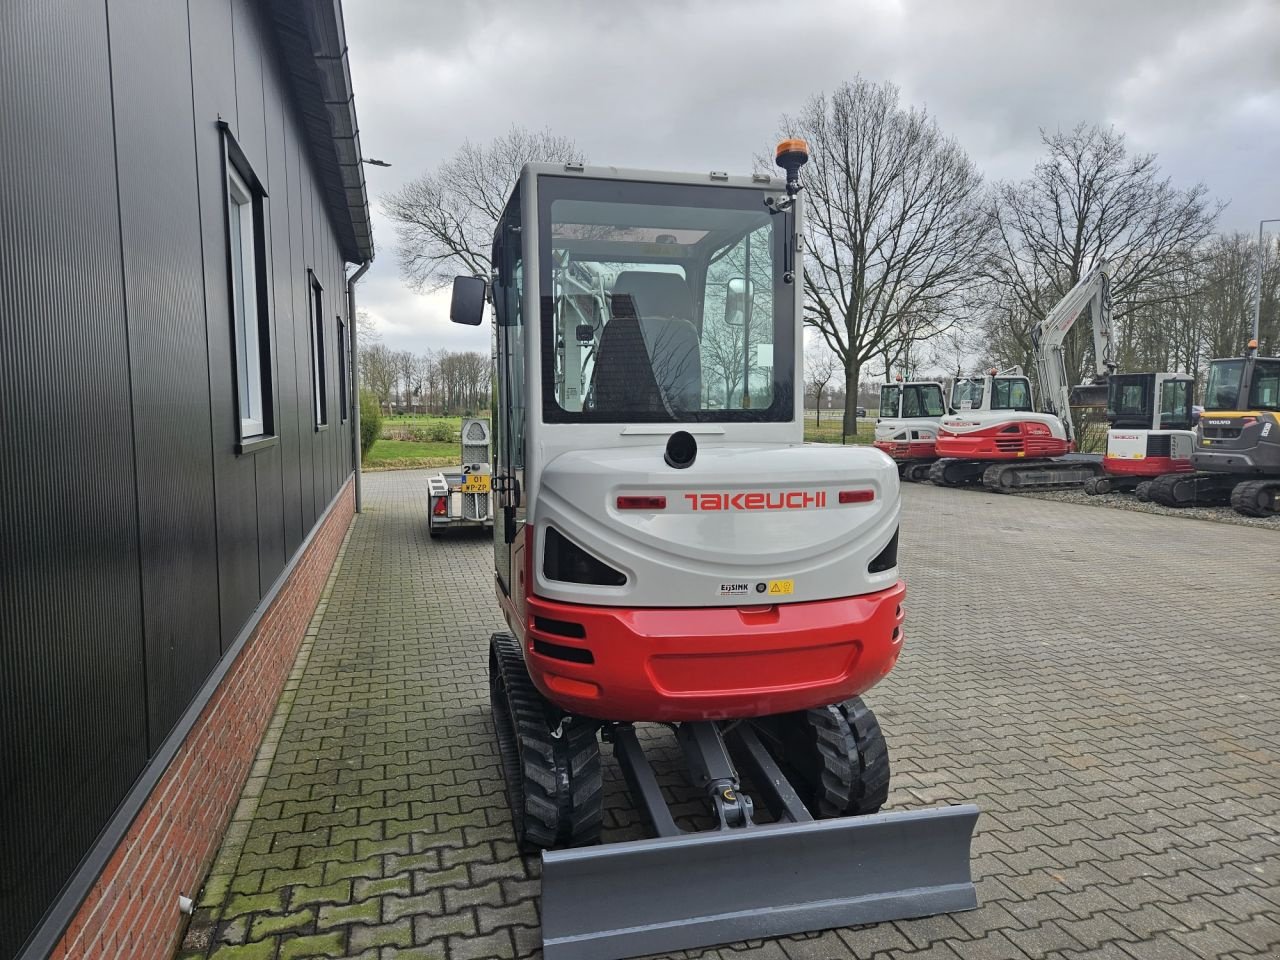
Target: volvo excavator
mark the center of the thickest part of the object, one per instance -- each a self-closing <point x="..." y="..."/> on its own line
<point x="907" y="425"/>
<point x="669" y="552"/>
<point x="1236" y="456"/>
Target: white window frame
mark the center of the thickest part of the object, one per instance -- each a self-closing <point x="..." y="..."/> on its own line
<point x="242" y="224"/>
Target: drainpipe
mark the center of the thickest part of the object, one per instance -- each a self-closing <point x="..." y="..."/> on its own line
<point x="354" y="327"/>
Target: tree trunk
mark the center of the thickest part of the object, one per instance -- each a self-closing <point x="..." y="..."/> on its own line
<point x="819" y="411"/>
<point x="851" y="372"/>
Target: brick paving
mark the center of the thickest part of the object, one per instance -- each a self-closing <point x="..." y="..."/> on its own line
<point x="1102" y="683"/>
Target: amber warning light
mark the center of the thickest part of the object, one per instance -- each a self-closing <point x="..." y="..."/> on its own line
<point x="791" y="155"/>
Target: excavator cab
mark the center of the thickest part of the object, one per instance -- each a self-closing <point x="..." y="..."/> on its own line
<point x="907" y="426"/>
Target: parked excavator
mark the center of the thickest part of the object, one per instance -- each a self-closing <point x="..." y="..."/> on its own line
<point x="669" y="551"/>
<point x="907" y="426"/>
<point x="998" y="439"/>
<point x="1236" y="456"/>
<point x="1149" y="432"/>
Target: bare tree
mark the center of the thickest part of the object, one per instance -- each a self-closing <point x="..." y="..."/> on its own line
<point x="445" y="219"/>
<point x="1087" y="200"/>
<point x="820" y="365"/>
<point x="378" y="371"/>
<point x="895" y="225"/>
<point x="368" y="330"/>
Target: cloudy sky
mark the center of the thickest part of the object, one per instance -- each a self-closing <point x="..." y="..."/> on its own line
<point x="701" y="84"/>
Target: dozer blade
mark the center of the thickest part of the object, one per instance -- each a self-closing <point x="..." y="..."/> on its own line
<point x="699" y="889"/>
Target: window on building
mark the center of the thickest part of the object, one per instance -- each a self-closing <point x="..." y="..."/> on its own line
<point x="320" y="395"/>
<point x="251" y="319"/>
<point x="344" y="386"/>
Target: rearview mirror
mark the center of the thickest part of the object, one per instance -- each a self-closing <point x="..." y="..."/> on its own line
<point x="467" y="304"/>
<point x="737" y="294"/>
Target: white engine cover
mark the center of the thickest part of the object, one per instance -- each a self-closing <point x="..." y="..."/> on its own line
<point x="744" y="525"/>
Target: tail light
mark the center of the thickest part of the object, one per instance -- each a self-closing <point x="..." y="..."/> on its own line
<point x="857" y="496"/>
<point x="441" y="506"/>
<point x="642" y="503"/>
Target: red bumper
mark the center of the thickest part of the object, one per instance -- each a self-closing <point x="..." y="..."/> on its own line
<point x="1026" y="442"/>
<point x="673" y="664"/>
<point x="912" y="450"/>
<point x="1146" y="467"/>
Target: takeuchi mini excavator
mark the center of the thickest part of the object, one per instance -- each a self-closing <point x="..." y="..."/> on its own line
<point x="907" y="427"/>
<point x="1236" y="454"/>
<point x="1149" y="432"/>
<point x="669" y="551"/>
<point x="996" y="438"/>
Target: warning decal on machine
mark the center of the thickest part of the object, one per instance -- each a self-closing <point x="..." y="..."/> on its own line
<point x="734" y="589"/>
<point x="782" y="586"/>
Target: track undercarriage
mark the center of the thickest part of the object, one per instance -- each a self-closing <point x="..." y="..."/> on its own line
<point x="1251" y="497"/>
<point x="1015" y="476"/>
<point x="818" y="855"/>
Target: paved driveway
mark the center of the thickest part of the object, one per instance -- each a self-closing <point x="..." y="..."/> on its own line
<point x="1104" y="684"/>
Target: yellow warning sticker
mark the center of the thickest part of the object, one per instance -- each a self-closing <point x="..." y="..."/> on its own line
<point x="782" y="586"/>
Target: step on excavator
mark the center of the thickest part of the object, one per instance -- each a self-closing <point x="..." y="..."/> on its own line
<point x="669" y="551"/>
<point x="1236" y="446"/>
<point x="1149" y="432"/>
<point x="907" y="427"/>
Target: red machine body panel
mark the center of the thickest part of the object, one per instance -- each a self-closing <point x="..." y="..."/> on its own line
<point x="677" y="664"/>
<point x="909" y="450"/>
<point x="1006" y="441"/>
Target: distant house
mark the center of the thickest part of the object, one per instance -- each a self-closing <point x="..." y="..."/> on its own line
<point x="181" y="198"/>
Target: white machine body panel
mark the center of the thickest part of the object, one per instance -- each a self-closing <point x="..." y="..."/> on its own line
<point x="1127" y="444"/>
<point x="974" y="421"/>
<point x="741" y="516"/>
<point x="907" y="429"/>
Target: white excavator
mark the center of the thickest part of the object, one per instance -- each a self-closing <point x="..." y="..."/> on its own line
<point x="907" y="424"/>
<point x="995" y="436"/>
<point x="669" y="552"/>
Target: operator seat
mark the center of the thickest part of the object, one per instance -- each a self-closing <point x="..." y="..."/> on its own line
<point x="649" y="359"/>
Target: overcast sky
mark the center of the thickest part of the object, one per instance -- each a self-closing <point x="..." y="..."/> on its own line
<point x="701" y="84"/>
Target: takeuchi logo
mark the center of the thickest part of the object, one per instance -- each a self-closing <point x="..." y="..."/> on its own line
<point x="788" y="500"/>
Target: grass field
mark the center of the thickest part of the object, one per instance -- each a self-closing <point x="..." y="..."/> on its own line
<point x="406" y="454"/>
<point x="390" y="453"/>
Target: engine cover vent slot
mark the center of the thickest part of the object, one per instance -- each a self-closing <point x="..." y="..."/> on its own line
<point x="887" y="558"/>
<point x="561" y="628"/>
<point x="565" y="561"/>
<point x="558" y="651"/>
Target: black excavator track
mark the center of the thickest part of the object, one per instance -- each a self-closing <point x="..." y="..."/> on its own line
<point x="951" y="472"/>
<point x="1026" y="475"/>
<point x="555" y="785"/>
<point x="836" y="755"/>
<point x="1256" y="498"/>
<point x="1191" y="489"/>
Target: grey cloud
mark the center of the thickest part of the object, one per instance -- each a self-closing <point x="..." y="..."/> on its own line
<point x="701" y="85"/>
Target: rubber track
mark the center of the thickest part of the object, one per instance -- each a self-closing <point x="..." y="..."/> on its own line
<point x="872" y="784"/>
<point x="1244" y="498"/>
<point x="847" y="758"/>
<point x="1163" y="490"/>
<point x="559" y="779"/>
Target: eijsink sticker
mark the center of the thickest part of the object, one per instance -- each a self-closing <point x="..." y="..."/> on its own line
<point x="734" y="589"/>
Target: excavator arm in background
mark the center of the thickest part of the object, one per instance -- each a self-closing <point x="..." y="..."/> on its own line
<point x="1094" y="291"/>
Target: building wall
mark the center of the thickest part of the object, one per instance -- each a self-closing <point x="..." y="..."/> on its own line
<point x="136" y="545"/>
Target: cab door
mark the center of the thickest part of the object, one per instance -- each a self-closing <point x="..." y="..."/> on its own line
<point x="509" y="401"/>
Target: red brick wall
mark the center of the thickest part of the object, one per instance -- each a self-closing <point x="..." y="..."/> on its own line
<point x="132" y="910"/>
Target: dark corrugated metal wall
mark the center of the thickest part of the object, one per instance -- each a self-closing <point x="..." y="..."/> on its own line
<point x="134" y="542"/>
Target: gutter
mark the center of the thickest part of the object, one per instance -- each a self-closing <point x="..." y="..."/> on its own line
<point x="354" y="326"/>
